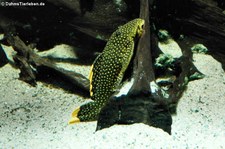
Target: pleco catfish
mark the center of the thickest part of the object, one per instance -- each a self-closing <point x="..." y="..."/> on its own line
<point x="108" y="69"/>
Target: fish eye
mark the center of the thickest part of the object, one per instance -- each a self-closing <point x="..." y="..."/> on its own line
<point x="142" y="26"/>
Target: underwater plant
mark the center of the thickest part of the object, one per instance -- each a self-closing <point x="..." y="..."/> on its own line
<point x="164" y="61"/>
<point x="199" y="48"/>
<point x="163" y="35"/>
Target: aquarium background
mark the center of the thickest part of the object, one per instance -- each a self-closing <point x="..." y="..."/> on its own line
<point x="72" y="34"/>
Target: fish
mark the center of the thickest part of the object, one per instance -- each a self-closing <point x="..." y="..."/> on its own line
<point x="108" y="69"/>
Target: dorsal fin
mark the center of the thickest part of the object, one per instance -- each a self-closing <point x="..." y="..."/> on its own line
<point x="90" y="79"/>
<point x="91" y="74"/>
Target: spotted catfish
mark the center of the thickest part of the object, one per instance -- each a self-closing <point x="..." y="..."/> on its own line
<point x="108" y="69"/>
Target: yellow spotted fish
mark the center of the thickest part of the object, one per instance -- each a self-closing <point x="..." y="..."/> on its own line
<point x="108" y="69"/>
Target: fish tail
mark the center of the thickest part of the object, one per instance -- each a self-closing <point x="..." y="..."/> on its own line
<point x="86" y="112"/>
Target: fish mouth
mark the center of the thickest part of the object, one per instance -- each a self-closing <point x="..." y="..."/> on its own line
<point x="140" y="32"/>
<point x="140" y="29"/>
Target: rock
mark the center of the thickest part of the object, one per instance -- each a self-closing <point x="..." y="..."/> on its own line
<point x="3" y="58"/>
<point x="170" y="48"/>
<point x="60" y="52"/>
<point x="1" y="37"/>
<point x="9" y="52"/>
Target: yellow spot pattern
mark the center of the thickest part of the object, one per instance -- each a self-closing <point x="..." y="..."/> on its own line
<point x="108" y="69"/>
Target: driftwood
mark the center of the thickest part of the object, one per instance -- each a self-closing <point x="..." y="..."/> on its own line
<point x="200" y="21"/>
<point x="71" y="23"/>
<point x="142" y="104"/>
<point x="139" y="105"/>
<point x="30" y="64"/>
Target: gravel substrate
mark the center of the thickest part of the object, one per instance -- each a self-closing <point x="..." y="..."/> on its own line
<point x="37" y="117"/>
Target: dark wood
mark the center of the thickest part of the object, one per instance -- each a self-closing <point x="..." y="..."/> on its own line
<point x="27" y="74"/>
<point x="138" y="108"/>
<point x="202" y="21"/>
<point x="139" y="105"/>
<point x="74" y="6"/>
<point x="143" y="69"/>
<point x="30" y="64"/>
<point x="71" y="23"/>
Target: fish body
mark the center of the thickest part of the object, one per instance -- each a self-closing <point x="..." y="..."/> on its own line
<point x="108" y="69"/>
